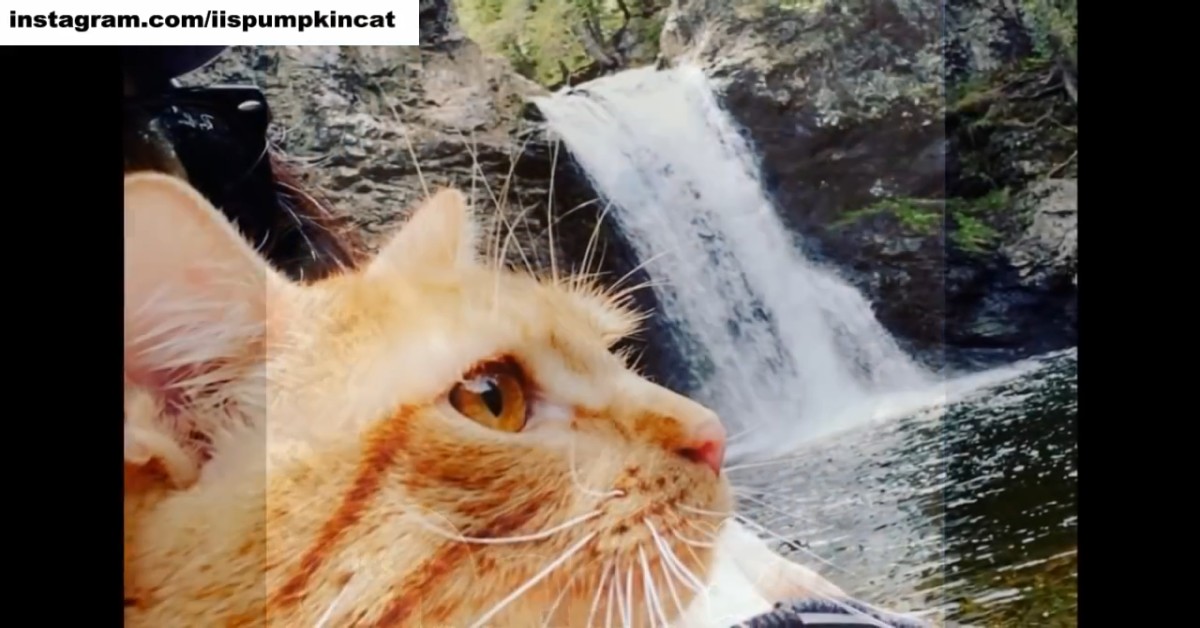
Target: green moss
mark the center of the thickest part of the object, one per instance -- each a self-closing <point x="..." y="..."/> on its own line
<point x="969" y="88"/>
<point x="1054" y="25"/>
<point x="544" y="38"/>
<point x="919" y="216"/>
<point x="972" y="234"/>
<point x="974" y="95"/>
<point x="969" y="219"/>
<point x="993" y="201"/>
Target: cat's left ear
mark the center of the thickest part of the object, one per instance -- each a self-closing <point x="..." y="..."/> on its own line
<point x="441" y="233"/>
<point x="197" y="293"/>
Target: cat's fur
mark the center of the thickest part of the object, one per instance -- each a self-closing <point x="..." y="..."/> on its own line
<point x="292" y="459"/>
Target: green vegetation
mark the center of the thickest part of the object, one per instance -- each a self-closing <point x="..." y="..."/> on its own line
<point x="1054" y="25"/>
<point x="974" y="92"/>
<point x="970" y="230"/>
<point x="551" y="41"/>
<point x="920" y="216"/>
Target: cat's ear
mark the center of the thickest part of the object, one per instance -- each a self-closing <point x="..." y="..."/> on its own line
<point x="197" y="294"/>
<point x="441" y="233"/>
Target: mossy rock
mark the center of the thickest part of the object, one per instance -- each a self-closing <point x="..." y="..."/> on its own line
<point x="973" y="225"/>
<point x="1011" y="127"/>
<point x="557" y="42"/>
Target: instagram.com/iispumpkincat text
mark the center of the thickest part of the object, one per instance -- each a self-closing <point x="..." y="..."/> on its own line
<point x="211" y="19"/>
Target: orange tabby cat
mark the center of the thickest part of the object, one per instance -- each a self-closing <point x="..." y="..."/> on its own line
<point x="430" y="441"/>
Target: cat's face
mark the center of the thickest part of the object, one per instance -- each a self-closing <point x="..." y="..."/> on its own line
<point x="476" y="449"/>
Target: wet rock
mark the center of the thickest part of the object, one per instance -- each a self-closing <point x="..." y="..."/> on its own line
<point x="1047" y="251"/>
<point x="897" y="136"/>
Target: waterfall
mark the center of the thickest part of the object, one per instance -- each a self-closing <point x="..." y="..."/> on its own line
<point x="782" y="346"/>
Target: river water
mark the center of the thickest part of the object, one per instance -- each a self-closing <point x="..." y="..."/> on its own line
<point x="967" y="512"/>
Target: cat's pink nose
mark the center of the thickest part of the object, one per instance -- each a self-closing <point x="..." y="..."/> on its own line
<point x="706" y="445"/>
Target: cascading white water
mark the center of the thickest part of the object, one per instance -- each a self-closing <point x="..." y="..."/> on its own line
<point x="781" y="345"/>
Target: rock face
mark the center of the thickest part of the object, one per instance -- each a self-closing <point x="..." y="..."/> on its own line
<point x="1051" y="243"/>
<point x="1022" y="298"/>
<point x="913" y="185"/>
<point x="378" y="126"/>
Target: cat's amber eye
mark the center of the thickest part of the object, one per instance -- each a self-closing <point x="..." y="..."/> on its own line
<point x="493" y="395"/>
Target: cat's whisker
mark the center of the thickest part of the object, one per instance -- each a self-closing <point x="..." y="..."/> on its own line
<point x="493" y="243"/>
<point x="599" y="591"/>
<point x="477" y="170"/>
<point x="650" y="591"/>
<point x="617" y="284"/>
<point x="512" y="237"/>
<point x="301" y="223"/>
<point x="622" y="598"/>
<point x="645" y="608"/>
<point x="692" y="542"/>
<point x="632" y="362"/>
<point x="558" y="600"/>
<point x="504" y="193"/>
<point x="550" y="213"/>
<point x="668" y="572"/>
<point x="501" y="257"/>
<point x="626" y="294"/>
<point x="261" y="247"/>
<point x="760" y="464"/>
<point x="563" y="216"/>
<point x="668" y="555"/>
<point x="620" y="594"/>
<point x="589" y="250"/>
<point x="701" y="511"/>
<point x="612" y="595"/>
<point x="514" y="156"/>
<point x="412" y="152"/>
<point x="676" y="569"/>
<point x="577" y="279"/>
<point x="627" y="617"/>
<point x="669" y="576"/>
<point x="472" y="202"/>
<point x="501" y="251"/>
<point x="287" y="207"/>
<point x="734" y="437"/>
<point x="707" y="530"/>
<point x="791" y="543"/>
<point x="309" y="197"/>
<point x="538" y="577"/>
<point x="767" y="506"/>
<point x="691" y="552"/>
<point x="498" y="540"/>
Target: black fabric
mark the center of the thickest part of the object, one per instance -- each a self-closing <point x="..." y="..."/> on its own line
<point x="155" y="65"/>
